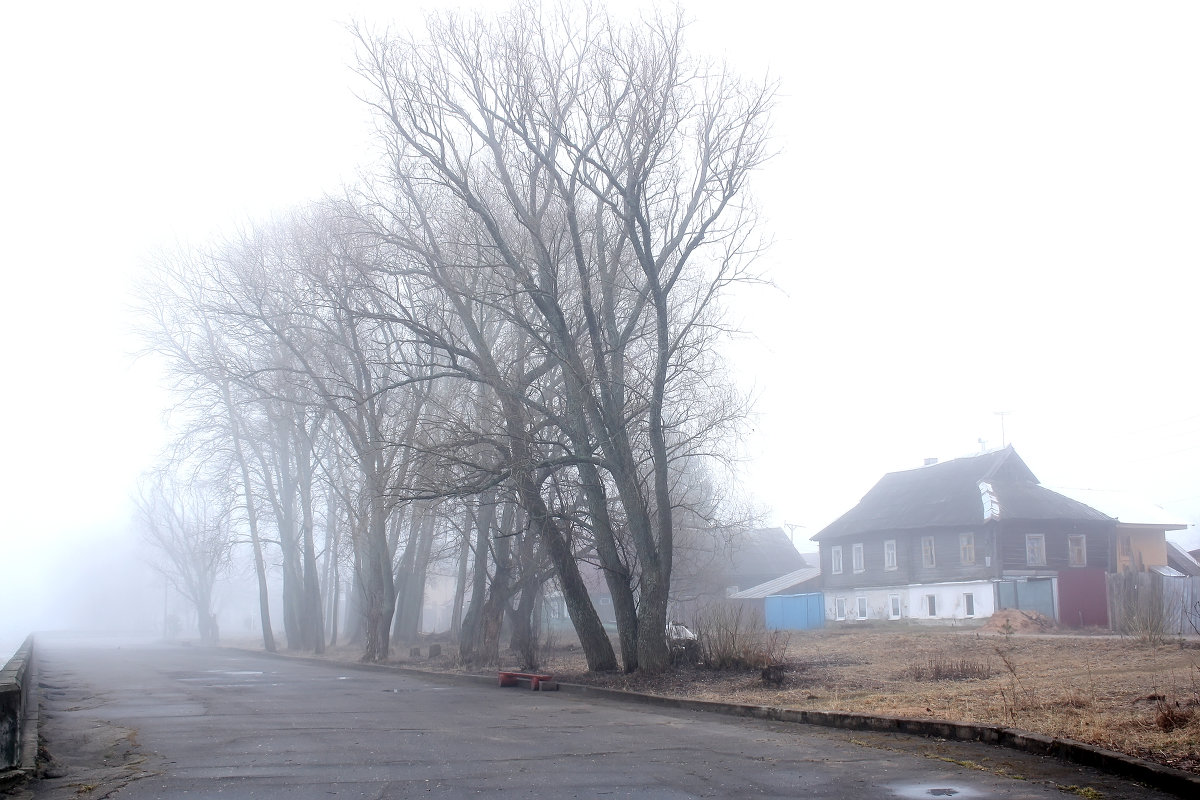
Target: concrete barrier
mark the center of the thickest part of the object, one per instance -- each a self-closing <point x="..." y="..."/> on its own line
<point x="18" y="714"/>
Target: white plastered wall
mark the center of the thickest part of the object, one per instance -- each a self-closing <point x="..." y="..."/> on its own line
<point x="949" y="601"/>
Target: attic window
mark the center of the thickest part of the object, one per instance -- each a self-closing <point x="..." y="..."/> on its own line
<point x="991" y="504"/>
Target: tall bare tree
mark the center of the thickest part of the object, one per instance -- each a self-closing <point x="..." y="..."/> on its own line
<point x="594" y="170"/>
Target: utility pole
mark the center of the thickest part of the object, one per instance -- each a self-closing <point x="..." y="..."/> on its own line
<point x="791" y="529"/>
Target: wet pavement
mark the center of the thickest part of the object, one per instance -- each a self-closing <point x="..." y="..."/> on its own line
<point x="141" y="720"/>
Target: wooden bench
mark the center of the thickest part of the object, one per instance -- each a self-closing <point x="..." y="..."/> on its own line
<point x="537" y="681"/>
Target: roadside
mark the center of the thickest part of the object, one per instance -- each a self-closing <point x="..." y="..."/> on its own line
<point x="1140" y="698"/>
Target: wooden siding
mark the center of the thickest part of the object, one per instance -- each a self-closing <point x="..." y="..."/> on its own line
<point x="910" y="569"/>
<point x="947" y="563"/>
<point x="1058" y="550"/>
<point x="1001" y="542"/>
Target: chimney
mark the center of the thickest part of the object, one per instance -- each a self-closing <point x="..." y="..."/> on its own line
<point x="930" y="462"/>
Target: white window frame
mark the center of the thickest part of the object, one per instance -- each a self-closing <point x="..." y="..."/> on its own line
<point x="889" y="554"/>
<point x="1081" y="539"/>
<point x="839" y="608"/>
<point x="928" y="552"/>
<point x="860" y="607"/>
<point x="835" y="559"/>
<point x="893" y="606"/>
<point x="1035" y="549"/>
<point x="966" y="548"/>
<point x="969" y="604"/>
<point x="931" y="605"/>
<point x="858" y="558"/>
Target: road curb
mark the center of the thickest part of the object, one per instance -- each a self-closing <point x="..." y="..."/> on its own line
<point x="1158" y="776"/>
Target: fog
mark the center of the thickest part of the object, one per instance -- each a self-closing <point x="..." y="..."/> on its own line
<point x="974" y="210"/>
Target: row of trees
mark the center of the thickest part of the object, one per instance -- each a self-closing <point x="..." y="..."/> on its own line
<point x="497" y="349"/>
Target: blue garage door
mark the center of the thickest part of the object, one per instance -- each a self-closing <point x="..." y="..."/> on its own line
<point x="795" y="612"/>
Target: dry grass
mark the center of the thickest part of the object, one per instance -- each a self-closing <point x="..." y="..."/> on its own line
<point x="1117" y="693"/>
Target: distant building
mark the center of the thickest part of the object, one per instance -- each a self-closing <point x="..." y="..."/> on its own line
<point x="960" y="539"/>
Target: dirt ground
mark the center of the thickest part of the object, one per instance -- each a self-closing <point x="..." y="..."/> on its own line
<point x="1137" y="697"/>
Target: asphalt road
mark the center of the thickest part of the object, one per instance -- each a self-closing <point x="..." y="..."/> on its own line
<point x="136" y="721"/>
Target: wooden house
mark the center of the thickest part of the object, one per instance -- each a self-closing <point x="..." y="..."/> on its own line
<point x="960" y="539"/>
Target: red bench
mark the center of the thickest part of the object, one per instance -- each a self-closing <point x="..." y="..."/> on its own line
<point x="537" y="681"/>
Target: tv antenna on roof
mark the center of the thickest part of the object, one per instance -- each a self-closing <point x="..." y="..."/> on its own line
<point x="1003" y="438"/>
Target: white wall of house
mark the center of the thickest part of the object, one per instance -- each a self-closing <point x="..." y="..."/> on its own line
<point x="951" y="601"/>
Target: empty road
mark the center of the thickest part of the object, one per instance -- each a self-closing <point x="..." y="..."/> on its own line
<point x="136" y="721"/>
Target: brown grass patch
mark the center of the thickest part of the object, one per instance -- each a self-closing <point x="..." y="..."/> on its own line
<point x="1117" y="693"/>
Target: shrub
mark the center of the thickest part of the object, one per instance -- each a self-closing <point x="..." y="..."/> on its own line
<point x="941" y="668"/>
<point x="732" y="636"/>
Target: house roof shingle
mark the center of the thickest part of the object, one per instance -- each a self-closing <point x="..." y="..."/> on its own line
<point x="962" y="492"/>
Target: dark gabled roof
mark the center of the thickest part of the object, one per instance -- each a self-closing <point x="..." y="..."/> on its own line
<point x="962" y="492"/>
<point x="759" y="552"/>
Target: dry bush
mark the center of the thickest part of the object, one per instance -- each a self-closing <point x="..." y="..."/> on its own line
<point x="1171" y="715"/>
<point x="734" y="637"/>
<point x="940" y="667"/>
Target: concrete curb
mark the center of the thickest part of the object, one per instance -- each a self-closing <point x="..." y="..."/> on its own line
<point x="22" y="671"/>
<point x="1157" y="776"/>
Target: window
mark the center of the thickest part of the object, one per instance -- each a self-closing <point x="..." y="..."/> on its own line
<point x="1077" y="549"/>
<point x="966" y="548"/>
<point x="889" y="554"/>
<point x="931" y="604"/>
<point x="893" y="606"/>
<point x="1035" y="550"/>
<point x="927" y="559"/>
<point x="861" y="603"/>
<point x="859" y="566"/>
<point x="835" y="560"/>
<point x="969" y="604"/>
<point x="839" y="608"/>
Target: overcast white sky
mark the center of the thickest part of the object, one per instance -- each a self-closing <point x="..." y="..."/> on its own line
<point x="977" y="208"/>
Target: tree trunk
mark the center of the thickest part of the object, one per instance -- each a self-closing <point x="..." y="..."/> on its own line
<point x="499" y="590"/>
<point x="356" y="604"/>
<point x="414" y="600"/>
<point x="470" y="638"/>
<point x="333" y="583"/>
<point x="406" y="575"/>
<point x="460" y="583"/>
<point x="378" y="581"/>
<point x="260" y="569"/>
<point x="312" y="622"/>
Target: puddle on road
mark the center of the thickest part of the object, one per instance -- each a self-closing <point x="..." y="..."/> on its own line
<point x="925" y="791"/>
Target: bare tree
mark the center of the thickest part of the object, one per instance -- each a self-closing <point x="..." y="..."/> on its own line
<point x="585" y="175"/>
<point x="189" y="523"/>
<point x="177" y="325"/>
